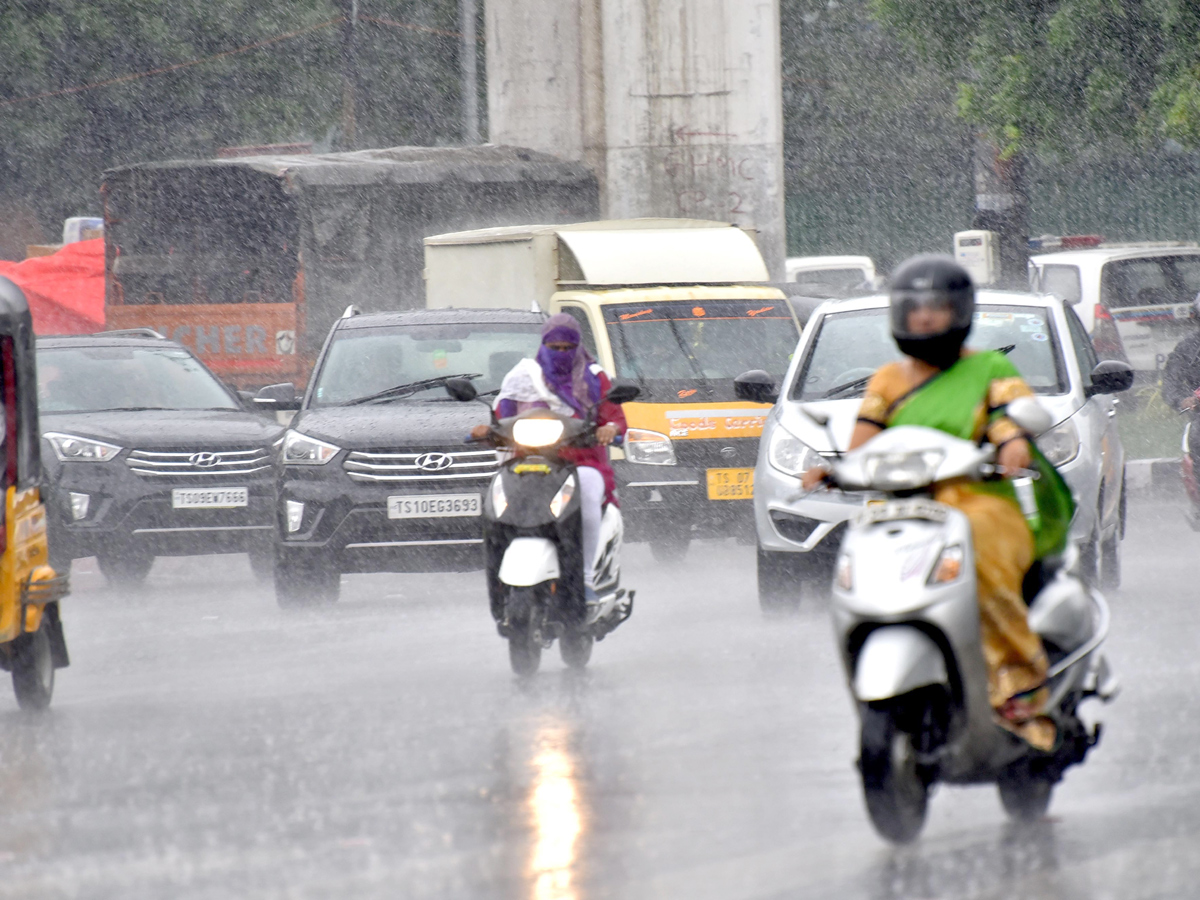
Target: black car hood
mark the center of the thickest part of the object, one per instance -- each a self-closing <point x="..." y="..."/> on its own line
<point x="400" y="424"/>
<point x="155" y="429"/>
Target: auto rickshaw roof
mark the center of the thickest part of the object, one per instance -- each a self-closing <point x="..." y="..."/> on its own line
<point x="395" y="165"/>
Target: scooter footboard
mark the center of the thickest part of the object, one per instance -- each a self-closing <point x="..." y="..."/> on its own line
<point x="897" y="659"/>
<point x="529" y="561"/>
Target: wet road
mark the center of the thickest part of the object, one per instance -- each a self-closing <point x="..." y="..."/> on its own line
<point x="205" y="744"/>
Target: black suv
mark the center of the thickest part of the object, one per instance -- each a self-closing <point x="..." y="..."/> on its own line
<point x="375" y="474"/>
<point x="147" y="454"/>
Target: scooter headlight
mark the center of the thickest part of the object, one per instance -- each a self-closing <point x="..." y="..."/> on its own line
<point x="789" y="454"/>
<point x="650" y="448"/>
<point x="902" y="471"/>
<point x="844" y="573"/>
<point x="538" y="432"/>
<point x="1060" y="444"/>
<point x="563" y="498"/>
<point x="949" y="565"/>
<point x="499" y="500"/>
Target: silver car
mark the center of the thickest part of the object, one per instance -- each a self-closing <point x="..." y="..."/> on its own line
<point x="844" y="343"/>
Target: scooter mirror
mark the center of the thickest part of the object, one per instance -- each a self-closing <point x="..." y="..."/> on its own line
<point x="461" y="389"/>
<point x="1030" y="415"/>
<point x="623" y="392"/>
<point x="756" y="386"/>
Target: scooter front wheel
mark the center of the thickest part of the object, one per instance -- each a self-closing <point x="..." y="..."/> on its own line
<point x="894" y="788"/>
<point x="524" y="644"/>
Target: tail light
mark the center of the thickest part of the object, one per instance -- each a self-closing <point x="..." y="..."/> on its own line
<point x="1106" y="337"/>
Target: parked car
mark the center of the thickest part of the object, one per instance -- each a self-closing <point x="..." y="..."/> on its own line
<point x="1134" y="301"/>
<point x="148" y="454"/>
<point x="830" y="276"/>
<point x="375" y="474"/>
<point x="845" y="342"/>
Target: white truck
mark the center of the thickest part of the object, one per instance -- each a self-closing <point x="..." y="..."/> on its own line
<point x="679" y="306"/>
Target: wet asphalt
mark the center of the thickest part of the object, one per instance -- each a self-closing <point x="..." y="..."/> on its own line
<point x="206" y="744"/>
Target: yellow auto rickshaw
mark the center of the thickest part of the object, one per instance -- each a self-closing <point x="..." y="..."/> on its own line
<point x="32" y="645"/>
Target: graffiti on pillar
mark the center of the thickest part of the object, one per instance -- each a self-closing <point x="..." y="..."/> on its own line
<point x="713" y="180"/>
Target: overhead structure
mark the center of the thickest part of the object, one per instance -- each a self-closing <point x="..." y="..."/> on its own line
<point x="675" y="104"/>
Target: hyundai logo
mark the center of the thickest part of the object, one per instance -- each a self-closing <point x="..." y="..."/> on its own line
<point x="204" y="460"/>
<point x="434" y="462"/>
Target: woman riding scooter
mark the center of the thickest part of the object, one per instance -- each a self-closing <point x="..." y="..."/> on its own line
<point x="941" y="385"/>
<point x="565" y="379"/>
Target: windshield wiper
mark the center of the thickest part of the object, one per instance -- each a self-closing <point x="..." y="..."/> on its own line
<point x="130" y="409"/>
<point x="404" y="390"/>
<point x="847" y="387"/>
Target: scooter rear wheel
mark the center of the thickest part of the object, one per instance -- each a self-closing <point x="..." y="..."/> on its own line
<point x="893" y="786"/>
<point x="1024" y="795"/>
<point x="576" y="648"/>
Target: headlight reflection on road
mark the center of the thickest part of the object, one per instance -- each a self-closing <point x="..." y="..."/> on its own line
<point x="556" y="811"/>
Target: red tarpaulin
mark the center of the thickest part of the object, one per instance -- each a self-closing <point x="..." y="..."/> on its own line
<point x="65" y="290"/>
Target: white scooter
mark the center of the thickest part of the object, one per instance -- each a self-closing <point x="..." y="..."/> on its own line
<point x="907" y="624"/>
<point x="533" y="540"/>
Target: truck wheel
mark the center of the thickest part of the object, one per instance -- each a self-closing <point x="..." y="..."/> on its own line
<point x="780" y="580"/>
<point x="33" y="670"/>
<point x="125" y="569"/>
<point x="893" y="786"/>
<point x="300" y="584"/>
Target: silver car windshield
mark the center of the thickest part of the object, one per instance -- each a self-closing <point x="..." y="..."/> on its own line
<point x="851" y="345"/>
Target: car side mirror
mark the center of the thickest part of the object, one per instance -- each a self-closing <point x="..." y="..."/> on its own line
<point x="623" y="392"/>
<point x="247" y="398"/>
<point x="277" y="396"/>
<point x="1030" y="415"/>
<point x="461" y="389"/>
<point x="1111" y="377"/>
<point x="756" y="386"/>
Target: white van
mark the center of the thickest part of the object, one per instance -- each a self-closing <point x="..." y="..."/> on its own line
<point x="1135" y="300"/>
<point x="831" y="276"/>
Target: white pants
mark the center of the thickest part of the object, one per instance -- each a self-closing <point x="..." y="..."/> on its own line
<point x="591" y="501"/>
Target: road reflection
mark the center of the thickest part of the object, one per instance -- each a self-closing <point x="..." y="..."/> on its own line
<point x="556" y="810"/>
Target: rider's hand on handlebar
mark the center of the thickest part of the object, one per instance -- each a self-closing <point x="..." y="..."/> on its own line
<point x="606" y="433"/>
<point x="1189" y="403"/>
<point x="1015" y="454"/>
<point x="813" y="477"/>
<point x="479" y="432"/>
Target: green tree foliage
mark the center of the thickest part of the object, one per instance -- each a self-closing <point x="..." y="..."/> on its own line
<point x="53" y="150"/>
<point x="1060" y="75"/>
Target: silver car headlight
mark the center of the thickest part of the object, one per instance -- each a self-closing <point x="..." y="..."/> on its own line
<point x="72" y="448"/>
<point x="1061" y="443"/>
<point x="301" y="450"/>
<point x="789" y="454"/>
<point x="650" y="448"/>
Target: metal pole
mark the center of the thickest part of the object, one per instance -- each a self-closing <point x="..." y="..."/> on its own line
<point x="469" y="66"/>
<point x="350" y="75"/>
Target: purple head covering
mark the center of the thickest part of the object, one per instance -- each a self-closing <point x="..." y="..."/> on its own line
<point x="568" y="372"/>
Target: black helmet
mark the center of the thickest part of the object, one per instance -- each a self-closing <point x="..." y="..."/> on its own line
<point x="932" y="282"/>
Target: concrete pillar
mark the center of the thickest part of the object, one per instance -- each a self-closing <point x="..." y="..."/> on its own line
<point x="676" y="104"/>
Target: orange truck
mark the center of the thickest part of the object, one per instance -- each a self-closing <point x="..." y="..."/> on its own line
<point x="249" y="261"/>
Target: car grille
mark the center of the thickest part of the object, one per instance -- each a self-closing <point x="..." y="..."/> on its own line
<point x="199" y="462"/>
<point x="462" y="466"/>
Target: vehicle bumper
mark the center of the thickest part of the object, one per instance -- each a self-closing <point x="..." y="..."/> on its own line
<point x="672" y="501"/>
<point x="345" y="524"/>
<point x="130" y="513"/>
